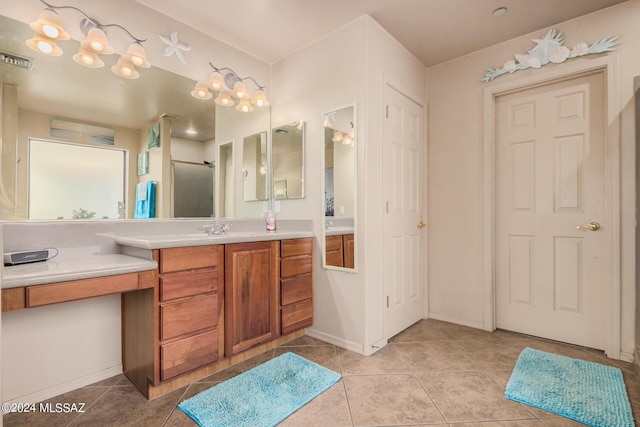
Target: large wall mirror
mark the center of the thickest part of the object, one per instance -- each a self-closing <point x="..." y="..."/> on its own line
<point x="340" y="188"/>
<point x="195" y="131"/>
<point x="255" y="171"/>
<point x="287" y="158"/>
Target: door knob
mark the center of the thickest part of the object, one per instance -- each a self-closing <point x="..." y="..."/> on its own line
<point x="592" y="226"/>
<point x="422" y="224"/>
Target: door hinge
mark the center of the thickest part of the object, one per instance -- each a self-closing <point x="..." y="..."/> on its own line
<point x="387" y="301"/>
<point x="387" y="206"/>
<point x="387" y="112"/>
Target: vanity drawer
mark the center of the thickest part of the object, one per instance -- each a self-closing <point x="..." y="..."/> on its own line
<point x="186" y="284"/>
<point x="293" y="247"/>
<point x="189" y="258"/>
<point x="78" y="289"/>
<point x="294" y="289"/>
<point x="333" y="243"/>
<point x="297" y="316"/>
<point x="296" y="265"/>
<point x="188" y="354"/>
<point x="188" y="316"/>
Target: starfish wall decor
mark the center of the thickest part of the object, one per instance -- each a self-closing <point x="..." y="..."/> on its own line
<point x="550" y="49"/>
<point x="174" y="46"/>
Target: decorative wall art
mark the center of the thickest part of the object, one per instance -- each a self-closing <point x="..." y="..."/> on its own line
<point x="143" y="163"/>
<point x="550" y="49"/>
<point x="154" y="136"/>
<point x="174" y="46"/>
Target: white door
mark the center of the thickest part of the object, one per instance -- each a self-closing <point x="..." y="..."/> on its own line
<point x="402" y="238"/>
<point x="550" y="181"/>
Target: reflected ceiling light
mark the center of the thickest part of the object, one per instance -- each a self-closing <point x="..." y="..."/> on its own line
<point x="338" y="136"/>
<point x="259" y="99"/>
<point x="499" y="11"/>
<point x="50" y="25"/>
<point x="244" y="106"/>
<point x="88" y="58"/>
<point x="239" y="90"/>
<point x="125" y="68"/>
<point x="224" y="99"/>
<point x="48" y="28"/>
<point x="201" y="91"/>
<point x="44" y="44"/>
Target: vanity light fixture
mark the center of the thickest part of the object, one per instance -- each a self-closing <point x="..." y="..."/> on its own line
<point x="229" y="85"/>
<point x="48" y="28"/>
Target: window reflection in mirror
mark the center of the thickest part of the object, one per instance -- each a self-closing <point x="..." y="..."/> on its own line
<point x="340" y="188"/>
<point x="254" y="167"/>
<point x="288" y="161"/>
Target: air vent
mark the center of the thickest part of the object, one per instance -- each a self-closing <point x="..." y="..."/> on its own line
<point x="15" y="60"/>
<point x="170" y="116"/>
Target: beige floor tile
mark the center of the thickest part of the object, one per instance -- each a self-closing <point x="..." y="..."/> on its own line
<point x="455" y="332"/>
<point x="322" y="355"/>
<point x="435" y="356"/>
<point x="514" y="423"/>
<point x="489" y="354"/>
<point x="241" y="367"/>
<point x="389" y="399"/>
<point x="471" y="396"/>
<point x="387" y="360"/>
<point x="328" y="409"/>
<point x="179" y="418"/>
<point x="424" y="330"/>
<point x="305" y="340"/>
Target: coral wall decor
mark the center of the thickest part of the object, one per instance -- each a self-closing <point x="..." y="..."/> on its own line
<point x="550" y="49"/>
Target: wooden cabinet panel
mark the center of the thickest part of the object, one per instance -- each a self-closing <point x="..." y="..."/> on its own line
<point x="297" y="316"/>
<point x="296" y="265"/>
<point x="193" y="257"/>
<point x="79" y="289"/>
<point x="296" y="289"/>
<point x="348" y="248"/>
<point x="187" y="354"/>
<point x="293" y="247"/>
<point x="251" y="289"/>
<point x="185" y="284"/>
<point x="334" y="251"/>
<point x="188" y="316"/>
<point x="14" y="299"/>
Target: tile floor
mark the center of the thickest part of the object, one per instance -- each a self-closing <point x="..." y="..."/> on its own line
<point x="433" y="373"/>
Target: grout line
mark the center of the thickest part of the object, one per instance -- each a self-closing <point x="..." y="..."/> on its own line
<point x="95" y="402"/>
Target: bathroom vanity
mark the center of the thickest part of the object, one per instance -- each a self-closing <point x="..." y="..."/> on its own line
<point x="192" y="303"/>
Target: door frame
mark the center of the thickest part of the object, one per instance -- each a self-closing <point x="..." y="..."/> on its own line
<point x="609" y="65"/>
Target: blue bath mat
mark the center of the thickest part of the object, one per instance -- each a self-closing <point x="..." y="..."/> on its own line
<point x="587" y="392"/>
<point x="262" y="396"/>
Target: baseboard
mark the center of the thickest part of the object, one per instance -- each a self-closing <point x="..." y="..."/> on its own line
<point x="636" y="360"/>
<point x="340" y="342"/>
<point x="68" y="386"/>
<point x="626" y="357"/>
<point x="457" y="321"/>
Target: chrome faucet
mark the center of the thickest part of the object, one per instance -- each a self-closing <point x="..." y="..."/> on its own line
<point x="216" y="228"/>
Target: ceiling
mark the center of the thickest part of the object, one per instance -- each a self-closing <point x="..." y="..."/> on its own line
<point x="435" y="31"/>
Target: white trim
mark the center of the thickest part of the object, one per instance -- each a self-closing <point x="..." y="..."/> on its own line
<point x="609" y="65"/>
<point x="456" y="320"/>
<point x="68" y="386"/>
<point x="332" y="339"/>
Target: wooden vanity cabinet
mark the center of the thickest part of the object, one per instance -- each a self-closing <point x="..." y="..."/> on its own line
<point x="348" y="248"/>
<point x="251" y="295"/>
<point x="296" y="284"/>
<point x="334" y="251"/>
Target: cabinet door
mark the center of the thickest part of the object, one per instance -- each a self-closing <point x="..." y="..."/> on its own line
<point x="348" y="244"/>
<point x="251" y="304"/>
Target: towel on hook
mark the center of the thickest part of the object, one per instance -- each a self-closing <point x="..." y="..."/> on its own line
<point x="145" y="200"/>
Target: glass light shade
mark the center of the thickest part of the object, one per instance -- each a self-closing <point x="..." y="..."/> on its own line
<point x="50" y="25"/>
<point x="337" y="136"/>
<point x="239" y="90"/>
<point x="88" y="58"/>
<point x="44" y="44"/>
<point x="125" y="69"/>
<point x="260" y="99"/>
<point x="244" y="106"/>
<point x="201" y="91"/>
<point x="224" y="99"/>
<point x="137" y="55"/>
<point x="97" y="40"/>
<point x="216" y="81"/>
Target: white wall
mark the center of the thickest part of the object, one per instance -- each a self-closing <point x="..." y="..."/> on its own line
<point x="346" y="66"/>
<point x="455" y="127"/>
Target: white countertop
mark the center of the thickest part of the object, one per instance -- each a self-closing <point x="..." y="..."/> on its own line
<point x="336" y="231"/>
<point x="158" y="241"/>
<point x="73" y="268"/>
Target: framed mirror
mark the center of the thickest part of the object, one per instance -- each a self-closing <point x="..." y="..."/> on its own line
<point x="287" y="159"/>
<point x="339" y="205"/>
<point x="255" y="172"/>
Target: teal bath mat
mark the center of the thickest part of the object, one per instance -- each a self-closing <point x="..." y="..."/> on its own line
<point x="587" y="392"/>
<point x="262" y="396"/>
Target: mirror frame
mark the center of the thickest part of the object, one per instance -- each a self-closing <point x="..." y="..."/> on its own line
<point x="302" y="166"/>
<point x="323" y="245"/>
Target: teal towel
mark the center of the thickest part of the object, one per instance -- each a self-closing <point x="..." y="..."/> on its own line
<point x="145" y="200"/>
<point x="262" y="396"/>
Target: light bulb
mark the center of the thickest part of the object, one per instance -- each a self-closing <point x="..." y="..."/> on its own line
<point x="45" y="47"/>
<point x="51" y="31"/>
